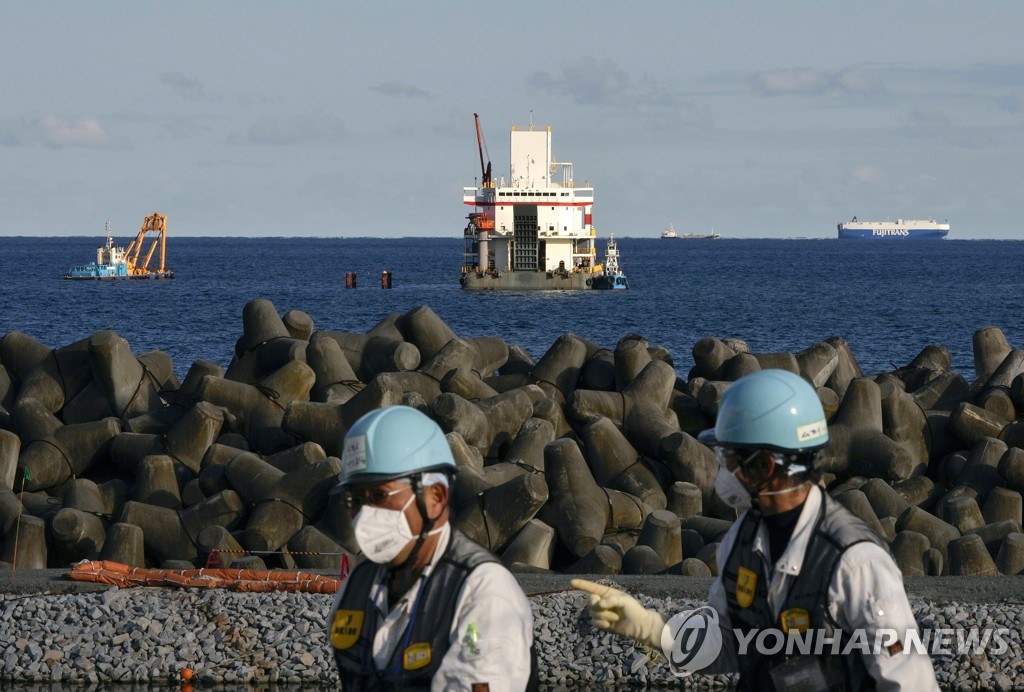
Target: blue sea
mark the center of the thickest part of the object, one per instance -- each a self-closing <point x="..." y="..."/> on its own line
<point x="888" y="299"/>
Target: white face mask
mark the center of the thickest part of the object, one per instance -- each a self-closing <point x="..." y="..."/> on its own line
<point x="731" y="489"/>
<point x="382" y="533"/>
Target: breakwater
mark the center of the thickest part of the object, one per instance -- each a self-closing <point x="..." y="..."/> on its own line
<point x="583" y="461"/>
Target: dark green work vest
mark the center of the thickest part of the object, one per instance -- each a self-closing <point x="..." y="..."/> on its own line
<point x="835" y="530"/>
<point x="425" y="641"/>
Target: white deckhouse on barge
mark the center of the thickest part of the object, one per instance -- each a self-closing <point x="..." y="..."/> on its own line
<point x="533" y="231"/>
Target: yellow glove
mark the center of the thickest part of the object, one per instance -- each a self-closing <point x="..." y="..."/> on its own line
<point x="617" y="612"/>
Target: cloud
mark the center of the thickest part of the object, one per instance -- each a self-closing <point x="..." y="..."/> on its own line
<point x="295" y="130"/>
<point x="866" y="173"/>
<point x="184" y="127"/>
<point x="82" y="132"/>
<point x="693" y="114"/>
<point x="187" y="88"/>
<point x="232" y="163"/>
<point x="808" y="82"/>
<point x="927" y="116"/>
<point x="671" y="114"/>
<point x="852" y="82"/>
<point x="663" y="105"/>
<point x="586" y="81"/>
<point x="54" y="131"/>
<point x="1011" y="75"/>
<point x="799" y="81"/>
<point x="1014" y="103"/>
<point x="257" y="99"/>
<point x="400" y="90"/>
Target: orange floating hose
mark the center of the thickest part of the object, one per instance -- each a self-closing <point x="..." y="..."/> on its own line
<point x="246" y="580"/>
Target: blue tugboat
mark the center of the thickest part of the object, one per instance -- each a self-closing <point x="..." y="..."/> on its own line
<point x="611" y="278"/>
<point x="110" y="263"/>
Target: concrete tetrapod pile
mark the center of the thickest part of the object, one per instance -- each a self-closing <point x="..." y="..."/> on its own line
<point x="584" y="461"/>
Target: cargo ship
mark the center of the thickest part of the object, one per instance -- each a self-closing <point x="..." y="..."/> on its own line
<point x="533" y="231"/>
<point x="900" y="229"/>
<point x="114" y="262"/>
<point x="701" y="236"/>
<point x="670" y="233"/>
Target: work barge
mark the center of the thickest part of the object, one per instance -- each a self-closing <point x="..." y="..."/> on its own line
<point x="534" y="230"/>
<point x="113" y="262"/>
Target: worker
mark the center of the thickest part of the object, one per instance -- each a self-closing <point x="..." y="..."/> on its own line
<point x="794" y="560"/>
<point x="428" y="608"/>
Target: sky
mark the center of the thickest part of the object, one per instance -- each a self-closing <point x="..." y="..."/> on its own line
<point x="332" y="118"/>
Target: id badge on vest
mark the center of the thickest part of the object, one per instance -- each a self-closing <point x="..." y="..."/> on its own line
<point x="795" y="620"/>
<point x="416" y="656"/>
<point x="345" y="629"/>
<point x="746" y="587"/>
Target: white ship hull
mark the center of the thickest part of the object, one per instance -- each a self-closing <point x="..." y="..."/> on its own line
<point x="901" y="229"/>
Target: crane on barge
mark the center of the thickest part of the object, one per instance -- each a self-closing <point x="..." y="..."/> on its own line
<point x="154" y="224"/>
<point x="481" y="224"/>
<point x="485" y="172"/>
<point x="114" y="262"/>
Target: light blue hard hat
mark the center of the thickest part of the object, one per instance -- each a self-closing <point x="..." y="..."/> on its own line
<point x="769" y="409"/>
<point x="393" y="442"/>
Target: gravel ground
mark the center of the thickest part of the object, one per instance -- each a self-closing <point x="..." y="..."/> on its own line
<point x="55" y="631"/>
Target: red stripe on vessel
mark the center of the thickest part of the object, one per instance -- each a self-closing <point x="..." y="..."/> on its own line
<point x="533" y="204"/>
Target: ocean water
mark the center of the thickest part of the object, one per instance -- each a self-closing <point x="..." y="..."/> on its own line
<point x="888" y="299"/>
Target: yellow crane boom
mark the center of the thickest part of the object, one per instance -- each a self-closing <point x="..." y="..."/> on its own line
<point x="155" y="224"/>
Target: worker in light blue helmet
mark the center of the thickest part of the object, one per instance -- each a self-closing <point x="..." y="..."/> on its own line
<point x="768" y="431"/>
<point x="428" y="608"/>
<point x="795" y="565"/>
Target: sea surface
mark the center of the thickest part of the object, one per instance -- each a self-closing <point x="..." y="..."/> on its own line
<point x="889" y="299"/>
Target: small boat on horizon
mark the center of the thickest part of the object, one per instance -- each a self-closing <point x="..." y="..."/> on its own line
<point x="670" y="232"/>
<point x="702" y="236"/>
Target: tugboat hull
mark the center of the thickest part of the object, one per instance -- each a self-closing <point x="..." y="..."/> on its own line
<point x="609" y="282"/>
<point x="96" y="271"/>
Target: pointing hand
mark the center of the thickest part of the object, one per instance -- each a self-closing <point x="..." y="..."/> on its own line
<point x="617" y="612"/>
